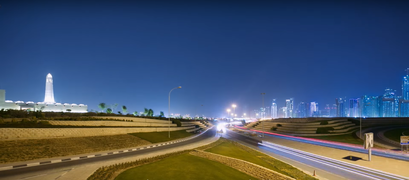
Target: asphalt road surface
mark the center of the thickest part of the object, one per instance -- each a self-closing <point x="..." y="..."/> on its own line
<point x="326" y="168"/>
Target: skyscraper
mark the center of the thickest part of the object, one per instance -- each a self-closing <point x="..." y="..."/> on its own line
<point x="340" y="107"/>
<point x="333" y="112"/>
<point x="274" y="109"/>
<point x="302" y="110"/>
<point x="369" y="105"/>
<point x="313" y="109"/>
<point x="404" y="102"/>
<point x="49" y="92"/>
<point x="405" y="86"/>
<point x="327" y="111"/>
<point x="388" y="104"/>
<point x="282" y="112"/>
<point x="289" y="104"/>
<point x="353" y="108"/>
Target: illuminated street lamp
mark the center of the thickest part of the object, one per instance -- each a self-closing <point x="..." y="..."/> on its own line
<point x="169" y="106"/>
<point x="234" y="108"/>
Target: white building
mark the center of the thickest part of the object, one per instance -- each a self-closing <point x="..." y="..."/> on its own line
<point x="48" y="105"/>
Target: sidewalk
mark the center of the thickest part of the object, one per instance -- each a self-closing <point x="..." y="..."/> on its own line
<point x="394" y="166"/>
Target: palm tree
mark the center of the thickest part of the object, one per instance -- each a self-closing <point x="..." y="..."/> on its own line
<point x="102" y="106"/>
<point x="162" y="114"/>
<point x="124" y="110"/>
<point x="109" y="110"/>
<point x="135" y="113"/>
<point x="146" y="112"/>
<point x="150" y="112"/>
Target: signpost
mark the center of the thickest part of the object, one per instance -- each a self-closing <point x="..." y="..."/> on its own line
<point x="404" y="141"/>
<point x="368" y="144"/>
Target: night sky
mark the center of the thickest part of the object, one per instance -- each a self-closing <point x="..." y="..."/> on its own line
<point x="134" y="53"/>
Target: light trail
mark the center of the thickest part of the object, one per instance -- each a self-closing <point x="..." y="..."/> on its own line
<point x="338" y="145"/>
<point x="360" y="170"/>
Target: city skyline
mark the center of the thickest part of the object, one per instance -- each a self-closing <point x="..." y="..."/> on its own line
<point x="388" y="104"/>
<point x="134" y="53"/>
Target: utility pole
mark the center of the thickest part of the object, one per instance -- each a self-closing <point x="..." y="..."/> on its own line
<point x="262" y="109"/>
<point x="360" y="123"/>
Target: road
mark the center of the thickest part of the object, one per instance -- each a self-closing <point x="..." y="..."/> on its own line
<point x="73" y="169"/>
<point x="326" y="168"/>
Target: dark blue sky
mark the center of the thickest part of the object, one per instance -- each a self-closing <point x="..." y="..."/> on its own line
<point x="219" y="52"/>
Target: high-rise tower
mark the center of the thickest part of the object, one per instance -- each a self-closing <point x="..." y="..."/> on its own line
<point x="49" y="92"/>
<point x="274" y="109"/>
<point x="405" y="86"/>
<point x="289" y="103"/>
<point x="404" y="102"/>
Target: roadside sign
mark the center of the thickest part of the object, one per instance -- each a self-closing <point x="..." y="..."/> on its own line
<point x="368" y="140"/>
<point x="404" y="140"/>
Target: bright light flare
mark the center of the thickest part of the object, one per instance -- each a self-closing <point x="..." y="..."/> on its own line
<point x="221" y="126"/>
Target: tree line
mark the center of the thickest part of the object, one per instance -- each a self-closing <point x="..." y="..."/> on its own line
<point x="111" y="109"/>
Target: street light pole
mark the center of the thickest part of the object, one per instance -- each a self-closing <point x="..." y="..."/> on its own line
<point x="228" y="113"/>
<point x="169" y="106"/>
<point x="360" y="124"/>
<point x="262" y="108"/>
<point x="234" y="109"/>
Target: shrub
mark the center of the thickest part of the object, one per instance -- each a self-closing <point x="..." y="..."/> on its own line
<point x="279" y="125"/>
<point x="324" y="130"/>
<point x="274" y="128"/>
<point x="177" y="122"/>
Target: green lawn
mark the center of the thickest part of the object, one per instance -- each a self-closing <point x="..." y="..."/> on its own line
<point x="231" y="149"/>
<point x="346" y="138"/>
<point x="183" y="166"/>
<point x="156" y="137"/>
<point x="396" y="133"/>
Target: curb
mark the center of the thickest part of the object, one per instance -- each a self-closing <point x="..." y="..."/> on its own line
<point x="5" y="168"/>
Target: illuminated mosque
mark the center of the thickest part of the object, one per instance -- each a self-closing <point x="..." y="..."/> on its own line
<point x="49" y="104"/>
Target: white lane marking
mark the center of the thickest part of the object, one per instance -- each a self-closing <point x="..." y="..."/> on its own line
<point x="54" y="161"/>
<point x="66" y="171"/>
<point x="340" y="162"/>
<point x="75" y="158"/>
<point x="335" y="166"/>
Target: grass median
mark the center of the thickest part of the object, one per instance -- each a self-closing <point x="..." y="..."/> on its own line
<point x="156" y="137"/>
<point x="184" y="166"/>
<point x="235" y="150"/>
<point x="395" y="134"/>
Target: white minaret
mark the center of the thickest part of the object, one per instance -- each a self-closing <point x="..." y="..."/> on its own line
<point x="49" y="92"/>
